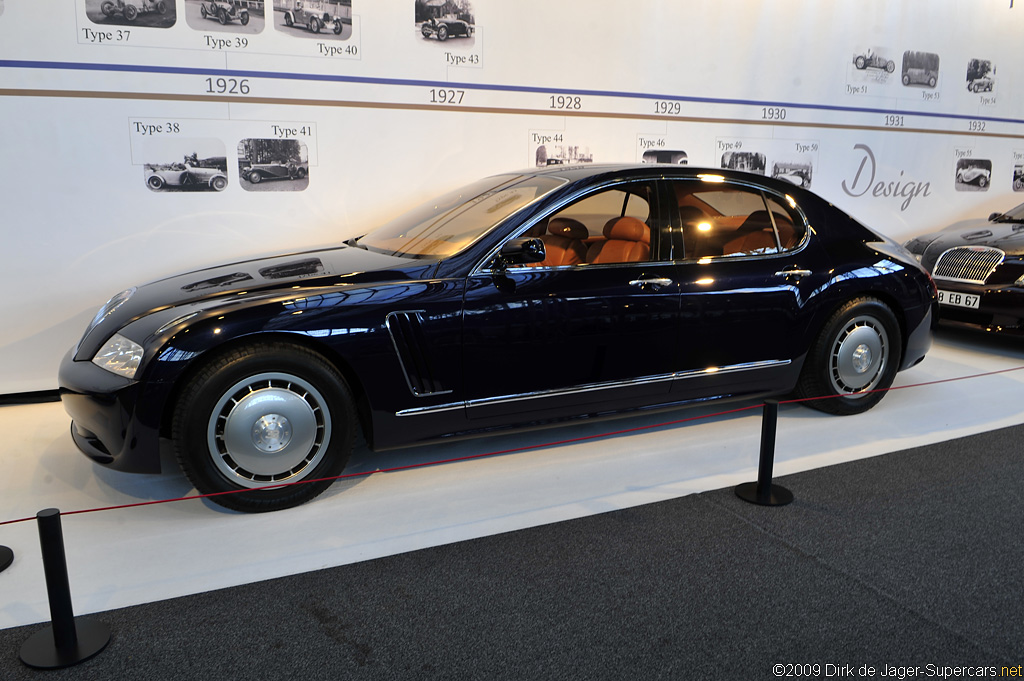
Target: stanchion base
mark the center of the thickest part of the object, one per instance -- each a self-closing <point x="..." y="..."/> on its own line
<point x="777" y="496"/>
<point x="6" y="558"/>
<point x="41" y="652"/>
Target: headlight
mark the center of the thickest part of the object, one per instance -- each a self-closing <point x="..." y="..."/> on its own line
<point x="120" y="356"/>
<point x="111" y="305"/>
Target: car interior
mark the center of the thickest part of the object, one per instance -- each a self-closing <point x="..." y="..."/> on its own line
<point x="614" y="226"/>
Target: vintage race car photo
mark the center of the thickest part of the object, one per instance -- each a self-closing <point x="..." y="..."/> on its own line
<point x="873" y="61"/>
<point x="517" y="301"/>
<point x="133" y="8"/>
<point x="978" y="267"/>
<point x="224" y="12"/>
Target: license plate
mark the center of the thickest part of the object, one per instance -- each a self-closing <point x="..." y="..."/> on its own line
<point x="959" y="299"/>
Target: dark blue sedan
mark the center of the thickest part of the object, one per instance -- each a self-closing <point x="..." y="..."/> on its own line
<point x="516" y="301"/>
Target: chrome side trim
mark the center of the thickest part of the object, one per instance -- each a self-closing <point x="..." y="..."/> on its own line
<point x="591" y="387"/>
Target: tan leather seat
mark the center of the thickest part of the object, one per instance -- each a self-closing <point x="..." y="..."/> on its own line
<point x="625" y="240"/>
<point x="563" y="244"/>
<point x="755" y="236"/>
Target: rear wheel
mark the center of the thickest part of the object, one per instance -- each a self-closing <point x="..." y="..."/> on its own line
<point x="264" y="414"/>
<point x="855" y="358"/>
<point x="442" y="32"/>
<point x="130" y="12"/>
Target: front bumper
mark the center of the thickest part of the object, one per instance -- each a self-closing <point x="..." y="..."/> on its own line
<point x="107" y="424"/>
<point x="1000" y="308"/>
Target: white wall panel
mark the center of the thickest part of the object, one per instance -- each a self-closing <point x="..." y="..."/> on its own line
<point x="387" y="120"/>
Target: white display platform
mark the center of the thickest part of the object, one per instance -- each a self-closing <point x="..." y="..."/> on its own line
<point x="124" y="557"/>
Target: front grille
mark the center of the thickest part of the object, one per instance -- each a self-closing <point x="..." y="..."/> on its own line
<point x="972" y="264"/>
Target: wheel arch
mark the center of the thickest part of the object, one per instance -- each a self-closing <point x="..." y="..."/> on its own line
<point x="339" y="363"/>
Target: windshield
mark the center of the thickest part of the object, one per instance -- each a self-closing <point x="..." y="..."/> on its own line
<point x="452" y="222"/>
<point x="1012" y="215"/>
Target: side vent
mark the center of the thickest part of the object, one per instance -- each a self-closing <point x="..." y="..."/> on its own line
<point x="406" y="329"/>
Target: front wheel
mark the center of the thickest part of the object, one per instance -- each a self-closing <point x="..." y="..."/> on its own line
<point x="243" y="19"/>
<point x="442" y="32"/>
<point x="314" y="24"/>
<point x="202" y="10"/>
<point x="855" y="358"/>
<point x="288" y="21"/>
<point x="130" y="12"/>
<point x="259" y="415"/>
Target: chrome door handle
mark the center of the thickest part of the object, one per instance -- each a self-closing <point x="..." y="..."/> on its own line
<point x="654" y="283"/>
<point x="794" y="273"/>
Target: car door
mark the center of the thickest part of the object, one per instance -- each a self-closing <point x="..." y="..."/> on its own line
<point x="591" y="328"/>
<point x="750" y="265"/>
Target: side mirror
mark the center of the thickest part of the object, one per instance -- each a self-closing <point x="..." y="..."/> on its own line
<point x="523" y="250"/>
<point x="992" y="218"/>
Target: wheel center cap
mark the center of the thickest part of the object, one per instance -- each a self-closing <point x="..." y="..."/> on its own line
<point x="271" y="433"/>
<point x="861" y="358"/>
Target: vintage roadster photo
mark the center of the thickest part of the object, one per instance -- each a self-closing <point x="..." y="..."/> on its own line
<point x="313" y="15"/>
<point x="978" y="266"/>
<point x="224" y="12"/>
<point x="194" y="173"/>
<point x="974" y="174"/>
<point x="517" y="301"/>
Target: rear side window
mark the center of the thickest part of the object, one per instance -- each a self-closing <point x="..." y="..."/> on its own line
<point x="724" y="220"/>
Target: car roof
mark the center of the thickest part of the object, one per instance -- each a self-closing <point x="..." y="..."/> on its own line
<point x="583" y="171"/>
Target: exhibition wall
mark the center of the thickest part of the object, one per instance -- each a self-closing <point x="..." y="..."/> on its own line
<point x="131" y="129"/>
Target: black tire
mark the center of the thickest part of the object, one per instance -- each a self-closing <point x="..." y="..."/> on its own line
<point x="288" y="21"/>
<point x="338" y="27"/>
<point x="300" y="173"/>
<point x="130" y="12"/>
<point x="161" y="7"/>
<point x="931" y="82"/>
<point x="314" y="24"/>
<point x="299" y="426"/>
<point x="890" y="66"/>
<point x="442" y="33"/>
<point x="107" y="8"/>
<point x="861" y="63"/>
<point x="219" y="183"/>
<point x="982" y="181"/>
<point x="255" y="177"/>
<point x="425" y="30"/>
<point x="1018" y="184"/>
<point x="243" y="19"/>
<point x="906" y="79"/>
<point x="856" y="356"/>
<point x="202" y="10"/>
<point x="222" y="17"/>
<point x="155" y="182"/>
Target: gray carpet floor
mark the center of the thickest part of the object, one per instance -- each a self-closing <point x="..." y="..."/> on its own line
<point x="901" y="561"/>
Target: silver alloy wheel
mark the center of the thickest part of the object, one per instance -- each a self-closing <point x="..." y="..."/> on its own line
<point x="271" y="427"/>
<point x="859" y="356"/>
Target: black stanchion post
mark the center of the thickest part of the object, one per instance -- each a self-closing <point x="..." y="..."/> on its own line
<point x="65" y="642"/>
<point x="6" y="558"/>
<point x="763" y="492"/>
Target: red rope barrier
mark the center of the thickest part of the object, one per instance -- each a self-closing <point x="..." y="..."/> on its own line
<point x="512" y="450"/>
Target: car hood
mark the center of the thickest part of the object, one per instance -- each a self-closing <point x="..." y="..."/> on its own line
<point x="241" y="282"/>
<point x="1007" y="236"/>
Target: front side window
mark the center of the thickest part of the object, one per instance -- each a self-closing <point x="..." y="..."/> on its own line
<point x="725" y="220"/>
<point x="610" y="226"/>
<point x="453" y="222"/>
